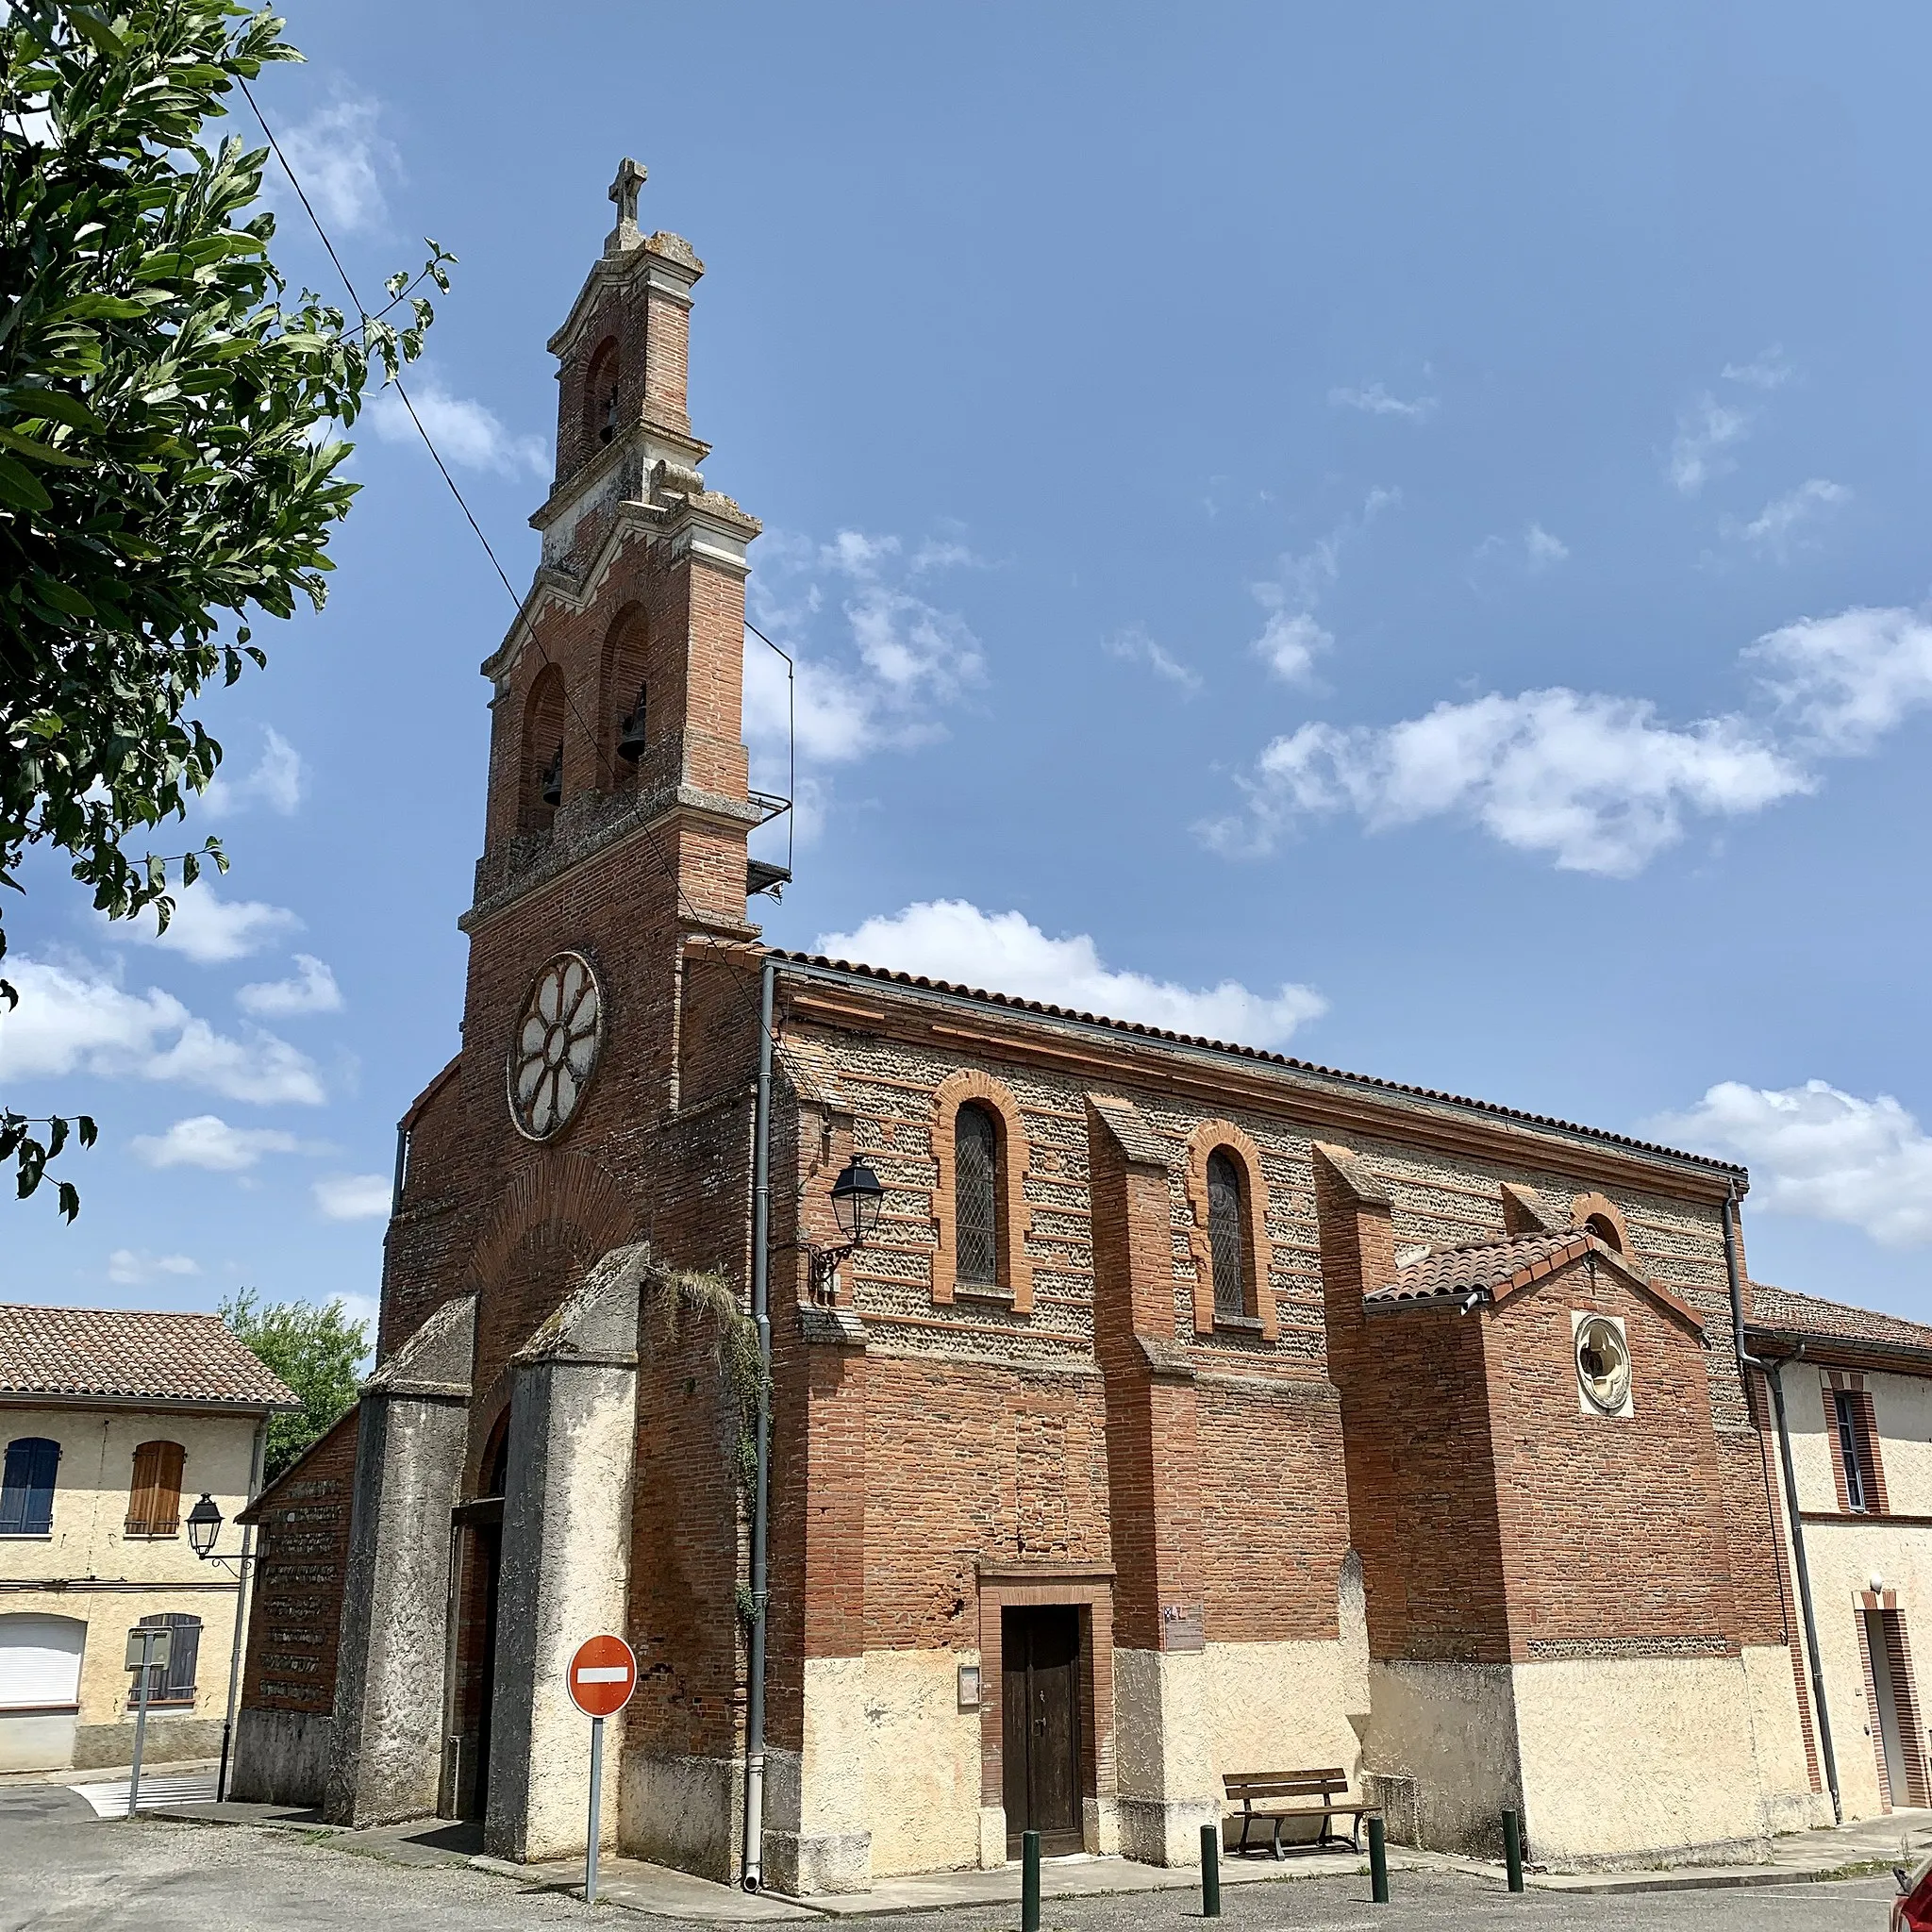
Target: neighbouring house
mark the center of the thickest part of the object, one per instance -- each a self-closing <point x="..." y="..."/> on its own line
<point x="107" y="1420"/>
<point x="1190" y="1410"/>
<point x="1857" y="1402"/>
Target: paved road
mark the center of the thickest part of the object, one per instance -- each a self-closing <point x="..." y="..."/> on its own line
<point x="64" y="1870"/>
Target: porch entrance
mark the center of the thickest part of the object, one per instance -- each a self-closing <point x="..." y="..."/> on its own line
<point x="1040" y="1694"/>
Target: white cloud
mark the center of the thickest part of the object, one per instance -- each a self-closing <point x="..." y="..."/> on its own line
<point x="75" y="1020"/>
<point x="353" y="1196"/>
<point x="207" y="928"/>
<point x="1375" y="400"/>
<point x="276" y="782"/>
<point x="1535" y="551"/>
<point x="1135" y="646"/>
<point x="884" y="679"/>
<point x="1704" y="431"/>
<point x="1542" y="549"/>
<point x="1289" y="644"/>
<point x="1004" y="952"/>
<point x="208" y="1141"/>
<point x="1290" y="638"/>
<point x="136" y="1266"/>
<point x="1769" y="370"/>
<point x="1600" y="783"/>
<point x="466" y="433"/>
<point x="1779" y="524"/>
<point x="1596" y="782"/>
<point x="1817" y="1151"/>
<point x="1842" y="682"/>
<point x="313" y="990"/>
<point x="340" y="159"/>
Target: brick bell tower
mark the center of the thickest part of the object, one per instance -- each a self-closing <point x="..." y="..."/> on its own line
<point x="600" y="1099"/>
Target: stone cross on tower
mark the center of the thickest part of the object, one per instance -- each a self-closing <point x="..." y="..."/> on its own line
<point x="624" y="191"/>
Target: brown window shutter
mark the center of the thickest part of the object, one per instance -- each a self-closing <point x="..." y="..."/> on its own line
<point x="1838" y="1453"/>
<point x="154" y="1501"/>
<point x="1868" y="1452"/>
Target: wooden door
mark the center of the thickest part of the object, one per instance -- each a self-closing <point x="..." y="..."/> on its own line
<point x="1041" y="1724"/>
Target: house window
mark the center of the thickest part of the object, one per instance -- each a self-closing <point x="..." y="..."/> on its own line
<point x="26" y="1487"/>
<point x="174" y="1683"/>
<point x="154" y="1497"/>
<point x="1855" y="1451"/>
<point x="1224" y="1235"/>
<point x="975" y="1196"/>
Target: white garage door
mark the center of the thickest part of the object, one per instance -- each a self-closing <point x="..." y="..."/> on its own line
<point x="40" y="1660"/>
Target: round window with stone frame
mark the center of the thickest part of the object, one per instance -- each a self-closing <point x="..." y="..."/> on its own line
<point x="555" y="1050"/>
<point x="1603" y="1365"/>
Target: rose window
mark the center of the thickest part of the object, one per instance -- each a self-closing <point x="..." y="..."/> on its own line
<point x="1603" y="1365"/>
<point x="557" y="1045"/>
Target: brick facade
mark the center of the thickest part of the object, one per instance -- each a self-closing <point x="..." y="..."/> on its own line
<point x="1085" y="1431"/>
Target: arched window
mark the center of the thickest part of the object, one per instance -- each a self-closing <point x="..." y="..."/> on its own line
<point x="174" y="1683"/>
<point x="1233" y="1255"/>
<point x="1227" y="1242"/>
<point x="975" y="1196"/>
<point x="620" y="677"/>
<point x="543" y="773"/>
<point x="27" y="1485"/>
<point x="1597" y="1214"/>
<point x="154" y="1497"/>
<point x="600" y="398"/>
<point x="982" y="1216"/>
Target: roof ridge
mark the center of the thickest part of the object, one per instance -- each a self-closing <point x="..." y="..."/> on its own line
<point x="1047" y="1011"/>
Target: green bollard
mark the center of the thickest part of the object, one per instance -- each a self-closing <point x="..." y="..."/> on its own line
<point x="1512" y="1849"/>
<point x="1379" y="1864"/>
<point x="1030" y="1882"/>
<point x="1210" y="1871"/>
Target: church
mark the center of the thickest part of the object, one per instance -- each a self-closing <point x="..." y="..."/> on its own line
<point x="977" y="1417"/>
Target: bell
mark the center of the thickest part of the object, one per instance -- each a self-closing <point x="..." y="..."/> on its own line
<point x="552" y="791"/>
<point x="630" y="737"/>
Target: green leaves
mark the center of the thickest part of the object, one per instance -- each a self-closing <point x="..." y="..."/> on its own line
<point x="160" y="397"/>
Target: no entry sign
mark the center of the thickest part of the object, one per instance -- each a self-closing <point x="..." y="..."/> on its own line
<point x="602" y="1674"/>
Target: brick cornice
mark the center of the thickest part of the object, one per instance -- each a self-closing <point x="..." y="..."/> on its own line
<point x="1320" y="1103"/>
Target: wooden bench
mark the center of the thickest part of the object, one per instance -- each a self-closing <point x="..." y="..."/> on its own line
<point x="1276" y="1796"/>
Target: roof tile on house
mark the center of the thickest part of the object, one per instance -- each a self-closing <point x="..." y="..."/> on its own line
<point x="919" y="982"/>
<point x="1490" y="1265"/>
<point x="1782" y="1310"/>
<point x="131" y="1355"/>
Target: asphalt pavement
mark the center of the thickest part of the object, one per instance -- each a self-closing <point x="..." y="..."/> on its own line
<point x="62" y="1869"/>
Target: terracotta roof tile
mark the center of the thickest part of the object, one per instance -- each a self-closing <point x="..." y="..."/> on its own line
<point x="1488" y="1265"/>
<point x="130" y="1355"/>
<point x="919" y="982"/>
<point x="1780" y="1310"/>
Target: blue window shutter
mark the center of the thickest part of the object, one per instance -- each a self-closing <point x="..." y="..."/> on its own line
<point x="27" y="1485"/>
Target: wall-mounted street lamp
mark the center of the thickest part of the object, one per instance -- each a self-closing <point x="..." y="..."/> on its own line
<point x="857" y="1197"/>
<point x="204" y="1529"/>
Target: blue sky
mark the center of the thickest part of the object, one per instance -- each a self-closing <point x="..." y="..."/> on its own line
<point x="1391" y="532"/>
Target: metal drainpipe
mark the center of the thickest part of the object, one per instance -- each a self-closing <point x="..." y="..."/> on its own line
<point x="761" y="1315"/>
<point x="240" y="1611"/>
<point x="1773" y="1373"/>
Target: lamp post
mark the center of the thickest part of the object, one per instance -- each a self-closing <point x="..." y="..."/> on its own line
<point x="204" y="1532"/>
<point x="857" y="1197"/>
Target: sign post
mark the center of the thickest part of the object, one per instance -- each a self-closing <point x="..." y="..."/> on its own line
<point x="602" y="1674"/>
<point x="149" y="1649"/>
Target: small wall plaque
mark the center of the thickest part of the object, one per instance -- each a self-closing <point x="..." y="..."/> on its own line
<point x="969" y="1686"/>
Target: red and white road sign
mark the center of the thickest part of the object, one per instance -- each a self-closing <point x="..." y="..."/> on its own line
<point x="602" y="1676"/>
